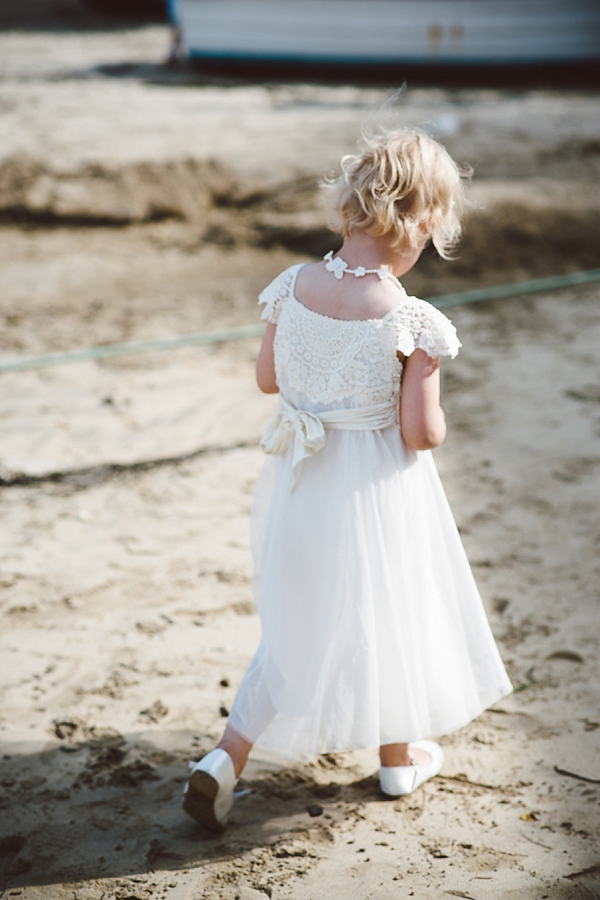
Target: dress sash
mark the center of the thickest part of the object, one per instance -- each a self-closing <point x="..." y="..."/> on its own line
<point x="306" y="431"/>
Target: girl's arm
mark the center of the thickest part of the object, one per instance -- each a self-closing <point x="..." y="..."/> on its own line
<point x="265" y="364"/>
<point x="422" y="420"/>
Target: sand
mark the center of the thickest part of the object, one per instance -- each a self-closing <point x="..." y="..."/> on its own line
<point x="137" y="203"/>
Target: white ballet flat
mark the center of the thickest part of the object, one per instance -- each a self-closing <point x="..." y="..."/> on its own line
<point x="396" y="781"/>
<point x="208" y="795"/>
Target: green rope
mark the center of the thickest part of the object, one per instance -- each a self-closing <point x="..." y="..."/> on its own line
<point x="443" y="301"/>
<point x="106" y="350"/>
<point x="537" y="285"/>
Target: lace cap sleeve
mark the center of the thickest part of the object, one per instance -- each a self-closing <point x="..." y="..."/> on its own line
<point x="276" y="293"/>
<point x="420" y="326"/>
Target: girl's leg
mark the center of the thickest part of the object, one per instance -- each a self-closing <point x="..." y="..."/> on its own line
<point x="208" y="796"/>
<point x="251" y="711"/>
<point x="237" y="747"/>
<point x="399" y="755"/>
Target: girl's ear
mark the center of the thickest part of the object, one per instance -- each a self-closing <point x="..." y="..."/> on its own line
<point x="425" y="231"/>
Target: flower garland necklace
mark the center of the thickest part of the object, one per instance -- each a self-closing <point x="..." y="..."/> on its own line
<point x="339" y="267"/>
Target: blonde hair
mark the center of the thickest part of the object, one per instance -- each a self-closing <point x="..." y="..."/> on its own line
<point x="404" y="184"/>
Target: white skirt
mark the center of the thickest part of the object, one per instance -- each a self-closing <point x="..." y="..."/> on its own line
<point x="373" y="630"/>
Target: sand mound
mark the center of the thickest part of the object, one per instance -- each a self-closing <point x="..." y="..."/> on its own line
<point x="513" y="232"/>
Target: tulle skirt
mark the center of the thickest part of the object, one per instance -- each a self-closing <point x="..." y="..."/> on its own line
<point x="373" y="630"/>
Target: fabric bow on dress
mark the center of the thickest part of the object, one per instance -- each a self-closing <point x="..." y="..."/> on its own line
<point x="289" y="424"/>
<point x="307" y="430"/>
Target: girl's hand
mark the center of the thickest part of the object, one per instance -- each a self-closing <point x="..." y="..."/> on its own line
<point x="422" y="420"/>
<point x="265" y="364"/>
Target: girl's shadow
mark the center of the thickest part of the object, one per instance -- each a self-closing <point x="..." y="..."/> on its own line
<point x="110" y="805"/>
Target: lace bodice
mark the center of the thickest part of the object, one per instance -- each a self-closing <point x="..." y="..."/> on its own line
<point x="349" y="362"/>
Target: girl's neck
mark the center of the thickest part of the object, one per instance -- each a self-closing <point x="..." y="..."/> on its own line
<point x="371" y="251"/>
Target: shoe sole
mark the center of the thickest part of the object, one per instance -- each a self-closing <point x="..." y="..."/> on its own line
<point x="199" y="800"/>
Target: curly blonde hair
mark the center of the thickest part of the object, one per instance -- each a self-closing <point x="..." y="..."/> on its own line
<point x="404" y="184"/>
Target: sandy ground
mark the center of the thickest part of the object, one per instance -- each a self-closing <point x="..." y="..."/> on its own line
<point x="137" y="203"/>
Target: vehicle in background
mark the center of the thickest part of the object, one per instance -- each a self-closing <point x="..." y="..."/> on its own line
<point x="384" y="32"/>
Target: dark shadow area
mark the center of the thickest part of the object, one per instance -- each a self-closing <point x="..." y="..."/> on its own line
<point x="81" y="479"/>
<point x="580" y="75"/>
<point x="19" y="217"/>
<point x="95" y="804"/>
<point x="79" y="15"/>
<point x="143" y="10"/>
<point x="237" y="73"/>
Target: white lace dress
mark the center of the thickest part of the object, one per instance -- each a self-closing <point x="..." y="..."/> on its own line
<point x="373" y="630"/>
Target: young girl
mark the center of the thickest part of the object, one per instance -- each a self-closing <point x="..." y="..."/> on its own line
<point x="373" y="631"/>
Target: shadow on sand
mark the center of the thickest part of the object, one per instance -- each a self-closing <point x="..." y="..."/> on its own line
<point x="97" y="804"/>
<point x="236" y="73"/>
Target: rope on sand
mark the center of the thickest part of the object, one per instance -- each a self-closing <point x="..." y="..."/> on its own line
<point x="129" y="347"/>
<point x="502" y="291"/>
<point x="443" y="301"/>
